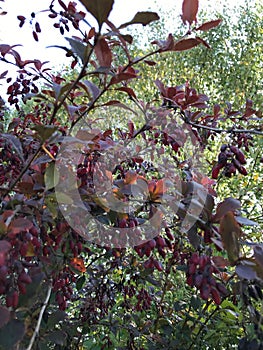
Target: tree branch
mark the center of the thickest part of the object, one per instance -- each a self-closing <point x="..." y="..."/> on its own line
<point x="40" y="318"/>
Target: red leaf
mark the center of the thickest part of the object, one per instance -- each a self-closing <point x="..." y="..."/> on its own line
<point x="165" y="45"/>
<point x="121" y="77"/>
<point x="209" y="25"/>
<point x="203" y="42"/>
<point x="103" y="53"/>
<point x="186" y="44"/>
<point x="100" y="9"/>
<point x="18" y="225"/>
<point x="143" y="18"/>
<point x="229" y="204"/>
<point x="4" y="49"/>
<point x="246" y="271"/>
<point x="5" y="246"/>
<point x="128" y="90"/>
<point x="230" y="231"/>
<point x="189" y="9"/>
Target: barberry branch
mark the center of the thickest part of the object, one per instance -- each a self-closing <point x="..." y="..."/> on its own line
<point x="41" y="313"/>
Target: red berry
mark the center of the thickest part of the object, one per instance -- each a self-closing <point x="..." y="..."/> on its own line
<point x="160" y="242"/>
<point x="15" y="299"/>
<point x="9" y="299"/>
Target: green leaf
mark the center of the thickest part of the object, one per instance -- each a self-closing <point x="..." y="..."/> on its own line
<point x="80" y="281"/>
<point x="11" y="334"/>
<point x="64" y="198"/>
<point x="57" y="337"/>
<point x="100" y="9"/>
<point x="55" y="318"/>
<point x="51" y="176"/>
<point x="195" y="302"/>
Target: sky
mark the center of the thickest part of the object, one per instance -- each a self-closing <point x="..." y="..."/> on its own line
<point x="123" y="11"/>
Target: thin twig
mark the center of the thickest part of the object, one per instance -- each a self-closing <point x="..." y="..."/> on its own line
<point x="40" y="318"/>
<point x="229" y="131"/>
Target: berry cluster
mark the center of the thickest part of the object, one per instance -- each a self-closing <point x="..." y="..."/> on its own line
<point x="10" y="161"/>
<point x="231" y="159"/>
<point x="144" y="300"/>
<point x="21" y="87"/>
<point x="17" y="263"/>
<point x="199" y="273"/>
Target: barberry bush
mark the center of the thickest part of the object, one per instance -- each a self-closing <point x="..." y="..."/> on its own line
<point x="115" y="235"/>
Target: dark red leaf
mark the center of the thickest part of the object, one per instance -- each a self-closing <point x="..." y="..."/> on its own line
<point x="100" y="9"/>
<point x="246" y="271"/>
<point x="230" y="232"/>
<point x="143" y="18"/>
<point x="189" y="11"/>
<point x="128" y="90"/>
<point x="103" y="53"/>
<point x="122" y="77"/>
<point x="165" y="45"/>
<point x="18" y="225"/>
<point x="5" y="246"/>
<point x="203" y="42"/>
<point x="185" y="44"/>
<point x="229" y="204"/>
<point x="4" y="49"/>
<point x="209" y="25"/>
